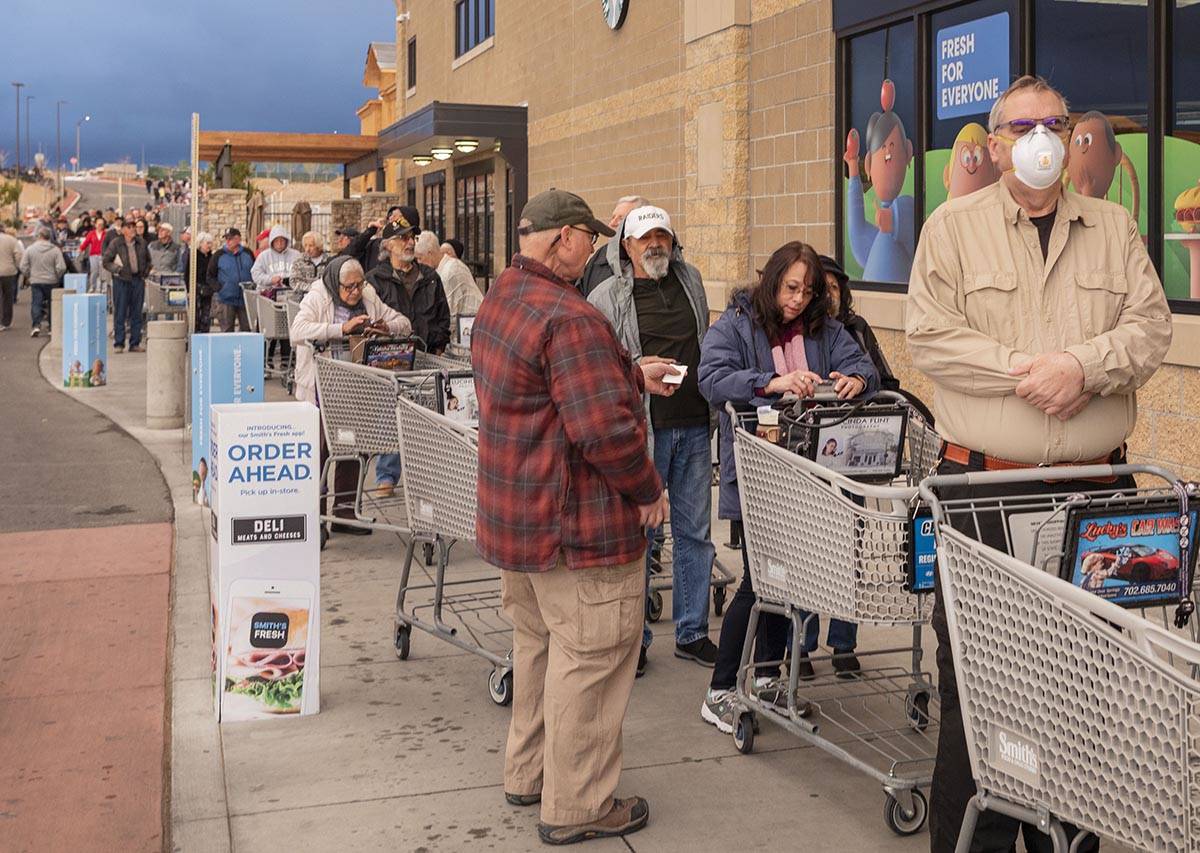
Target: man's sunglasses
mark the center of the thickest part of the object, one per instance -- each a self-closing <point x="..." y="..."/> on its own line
<point x="1018" y="127"/>
<point x="592" y="234"/>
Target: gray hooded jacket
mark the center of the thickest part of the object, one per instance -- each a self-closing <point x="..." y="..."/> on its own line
<point x="614" y="298"/>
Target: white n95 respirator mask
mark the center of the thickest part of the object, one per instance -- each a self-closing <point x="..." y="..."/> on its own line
<point x="1038" y="158"/>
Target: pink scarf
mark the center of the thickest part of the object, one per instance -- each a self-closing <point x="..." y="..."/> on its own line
<point x="789" y="356"/>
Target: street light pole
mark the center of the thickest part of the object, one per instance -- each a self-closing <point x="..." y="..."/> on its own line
<point x="28" y="98"/>
<point x="18" y="87"/>
<point x="58" y="142"/>
<point x="79" y="162"/>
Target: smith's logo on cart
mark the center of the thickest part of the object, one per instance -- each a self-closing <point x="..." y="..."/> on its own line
<point x="1015" y="755"/>
<point x="276" y="528"/>
<point x="269" y="630"/>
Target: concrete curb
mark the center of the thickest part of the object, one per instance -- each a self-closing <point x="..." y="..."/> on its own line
<point x="194" y="774"/>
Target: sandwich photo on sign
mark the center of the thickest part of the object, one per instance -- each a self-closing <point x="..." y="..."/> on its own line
<point x="266" y="647"/>
<point x="1130" y="555"/>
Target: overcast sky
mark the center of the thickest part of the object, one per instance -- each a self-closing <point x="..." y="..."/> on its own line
<point x="141" y="68"/>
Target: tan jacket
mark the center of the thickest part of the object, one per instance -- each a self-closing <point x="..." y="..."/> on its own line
<point x="981" y="296"/>
<point x="10" y="254"/>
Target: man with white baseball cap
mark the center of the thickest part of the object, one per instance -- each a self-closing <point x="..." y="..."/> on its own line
<point x="655" y="302"/>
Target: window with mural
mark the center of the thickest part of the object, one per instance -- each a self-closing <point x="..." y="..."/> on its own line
<point x="973" y="57"/>
<point x="1109" y="111"/>
<point x="1181" y="160"/>
<point x="879" y="212"/>
<point x="1128" y="144"/>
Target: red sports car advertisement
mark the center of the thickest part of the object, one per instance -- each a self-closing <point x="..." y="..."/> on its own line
<point x="1131" y="558"/>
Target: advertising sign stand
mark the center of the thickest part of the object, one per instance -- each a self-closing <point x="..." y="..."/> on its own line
<point x="226" y="368"/>
<point x="265" y="576"/>
<point x="84" y="340"/>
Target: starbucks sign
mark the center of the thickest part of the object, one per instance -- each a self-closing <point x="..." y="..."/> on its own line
<point x="614" y="12"/>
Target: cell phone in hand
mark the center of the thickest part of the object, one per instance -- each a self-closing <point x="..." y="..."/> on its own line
<point x="675" y="378"/>
<point x="825" y="390"/>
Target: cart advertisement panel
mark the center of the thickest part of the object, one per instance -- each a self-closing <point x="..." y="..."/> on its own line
<point x="265" y="560"/>
<point x="226" y="368"/>
<point x="1130" y="556"/>
<point x="85" y="340"/>
<point x="860" y="446"/>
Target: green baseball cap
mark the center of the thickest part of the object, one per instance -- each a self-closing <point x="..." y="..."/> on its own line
<point x="555" y="208"/>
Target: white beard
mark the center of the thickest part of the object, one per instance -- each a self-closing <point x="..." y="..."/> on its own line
<point x="656" y="266"/>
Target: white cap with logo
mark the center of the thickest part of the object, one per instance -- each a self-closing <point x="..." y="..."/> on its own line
<point x="642" y="220"/>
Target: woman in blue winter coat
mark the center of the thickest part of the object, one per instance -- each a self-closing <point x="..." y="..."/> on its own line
<point x="774" y="339"/>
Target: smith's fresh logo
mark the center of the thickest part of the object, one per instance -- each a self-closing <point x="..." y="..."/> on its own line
<point x="1015" y="755"/>
<point x="270" y="463"/>
<point x="269" y="630"/>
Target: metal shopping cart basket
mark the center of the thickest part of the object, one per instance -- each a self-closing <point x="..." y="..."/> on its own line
<point x="250" y="299"/>
<point x="439" y="464"/>
<point x="273" y="323"/>
<point x="820" y="542"/>
<point x="358" y="414"/>
<point x="1076" y="710"/>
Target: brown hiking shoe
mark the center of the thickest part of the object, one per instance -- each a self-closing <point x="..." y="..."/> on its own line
<point x="625" y="816"/>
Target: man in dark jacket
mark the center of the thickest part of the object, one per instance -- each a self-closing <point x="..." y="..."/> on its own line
<point x="128" y="260"/>
<point x="226" y="271"/>
<point x="410" y="287"/>
<point x="414" y="290"/>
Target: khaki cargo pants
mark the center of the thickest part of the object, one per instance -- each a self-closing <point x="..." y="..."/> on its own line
<point x="575" y="647"/>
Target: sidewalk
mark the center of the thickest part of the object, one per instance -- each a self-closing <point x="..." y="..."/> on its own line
<point x="407" y="755"/>
<point x="85" y="558"/>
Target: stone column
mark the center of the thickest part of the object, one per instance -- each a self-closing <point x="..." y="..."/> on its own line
<point x="225" y="209"/>
<point x="375" y="205"/>
<point x="717" y="143"/>
<point x="343" y="213"/>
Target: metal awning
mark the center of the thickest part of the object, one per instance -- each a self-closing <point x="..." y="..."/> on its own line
<point x="260" y="147"/>
<point x="439" y="124"/>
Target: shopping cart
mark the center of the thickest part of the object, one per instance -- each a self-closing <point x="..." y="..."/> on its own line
<point x="291" y="308"/>
<point x="439" y="464"/>
<point x="661" y="579"/>
<point x="819" y="542"/>
<point x="1075" y="710"/>
<point x="273" y="323"/>
<point x="458" y="352"/>
<point x="166" y="294"/>
<point x="249" y="298"/>
<point x="358" y="414"/>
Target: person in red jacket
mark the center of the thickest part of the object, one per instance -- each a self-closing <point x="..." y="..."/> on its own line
<point x="566" y="491"/>
<point x="92" y="248"/>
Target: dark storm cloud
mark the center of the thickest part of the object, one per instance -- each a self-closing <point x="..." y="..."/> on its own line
<point x="141" y="68"/>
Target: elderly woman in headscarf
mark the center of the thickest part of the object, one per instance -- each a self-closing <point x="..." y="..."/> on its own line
<point x="342" y="304"/>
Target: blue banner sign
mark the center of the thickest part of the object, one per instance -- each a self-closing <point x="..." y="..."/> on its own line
<point x="971" y="66"/>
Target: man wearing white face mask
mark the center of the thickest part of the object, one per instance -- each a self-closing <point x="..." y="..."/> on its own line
<point x="1036" y="313"/>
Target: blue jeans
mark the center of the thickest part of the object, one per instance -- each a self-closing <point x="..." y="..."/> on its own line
<point x="841" y="636"/>
<point x="128" y="297"/>
<point x="40" y="303"/>
<point x="387" y="468"/>
<point x="683" y="457"/>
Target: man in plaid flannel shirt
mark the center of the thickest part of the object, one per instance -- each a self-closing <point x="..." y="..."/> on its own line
<point x="566" y="491"/>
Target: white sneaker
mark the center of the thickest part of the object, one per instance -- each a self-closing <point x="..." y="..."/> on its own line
<point x="34" y="332"/>
<point x="718" y="710"/>
<point x="3" y="328"/>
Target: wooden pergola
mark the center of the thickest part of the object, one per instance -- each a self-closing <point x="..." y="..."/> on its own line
<point x="226" y="147"/>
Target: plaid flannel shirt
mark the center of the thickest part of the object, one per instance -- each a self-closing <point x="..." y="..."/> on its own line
<point x="562" y="432"/>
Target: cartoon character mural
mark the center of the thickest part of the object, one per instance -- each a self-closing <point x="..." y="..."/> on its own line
<point x="970" y="167"/>
<point x="883" y="249"/>
<point x="1095" y="156"/>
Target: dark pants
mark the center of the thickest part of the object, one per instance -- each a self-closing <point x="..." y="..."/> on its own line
<point x="770" y="642"/>
<point x="39" y="308"/>
<point x="345" y="482"/>
<point x="226" y="314"/>
<point x="953" y="784"/>
<point x="8" y="294"/>
<point x="204" y="314"/>
<point x="128" y="296"/>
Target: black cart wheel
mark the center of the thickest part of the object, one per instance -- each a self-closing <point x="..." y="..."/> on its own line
<point x="500" y="687"/>
<point x="904" y="823"/>
<point x="916" y="705"/>
<point x="654" y="606"/>
<point x="718" y="600"/>
<point x="403" y="633"/>
<point x="743" y="733"/>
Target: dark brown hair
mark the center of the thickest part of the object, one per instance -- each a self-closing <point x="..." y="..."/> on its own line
<point x="764" y="298"/>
